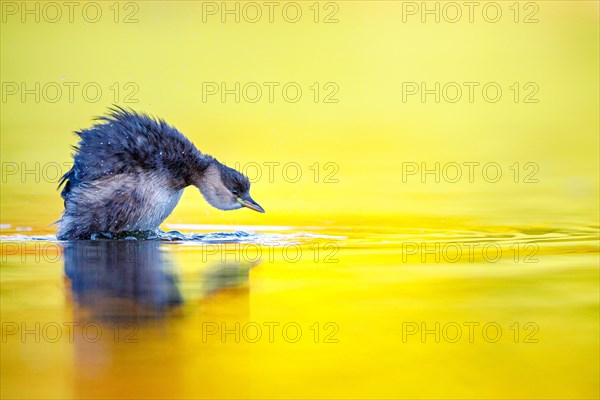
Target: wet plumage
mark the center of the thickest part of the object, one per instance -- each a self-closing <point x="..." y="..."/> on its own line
<point x="129" y="172"/>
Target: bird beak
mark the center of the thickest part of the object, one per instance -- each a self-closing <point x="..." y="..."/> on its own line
<point x="251" y="204"/>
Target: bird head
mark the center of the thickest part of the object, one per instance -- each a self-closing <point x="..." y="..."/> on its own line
<point x="226" y="189"/>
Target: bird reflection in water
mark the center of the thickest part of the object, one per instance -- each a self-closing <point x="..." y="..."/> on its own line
<point x="121" y="280"/>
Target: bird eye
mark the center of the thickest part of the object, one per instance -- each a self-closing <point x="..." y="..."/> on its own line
<point x="235" y="192"/>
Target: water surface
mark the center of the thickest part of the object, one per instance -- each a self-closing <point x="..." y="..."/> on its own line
<point x="485" y="312"/>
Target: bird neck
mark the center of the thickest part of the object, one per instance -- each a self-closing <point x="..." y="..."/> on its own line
<point x="201" y="167"/>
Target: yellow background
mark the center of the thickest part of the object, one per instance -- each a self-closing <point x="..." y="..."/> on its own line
<point x="368" y="53"/>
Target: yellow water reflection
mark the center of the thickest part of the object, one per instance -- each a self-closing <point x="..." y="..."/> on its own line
<point x="347" y="313"/>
